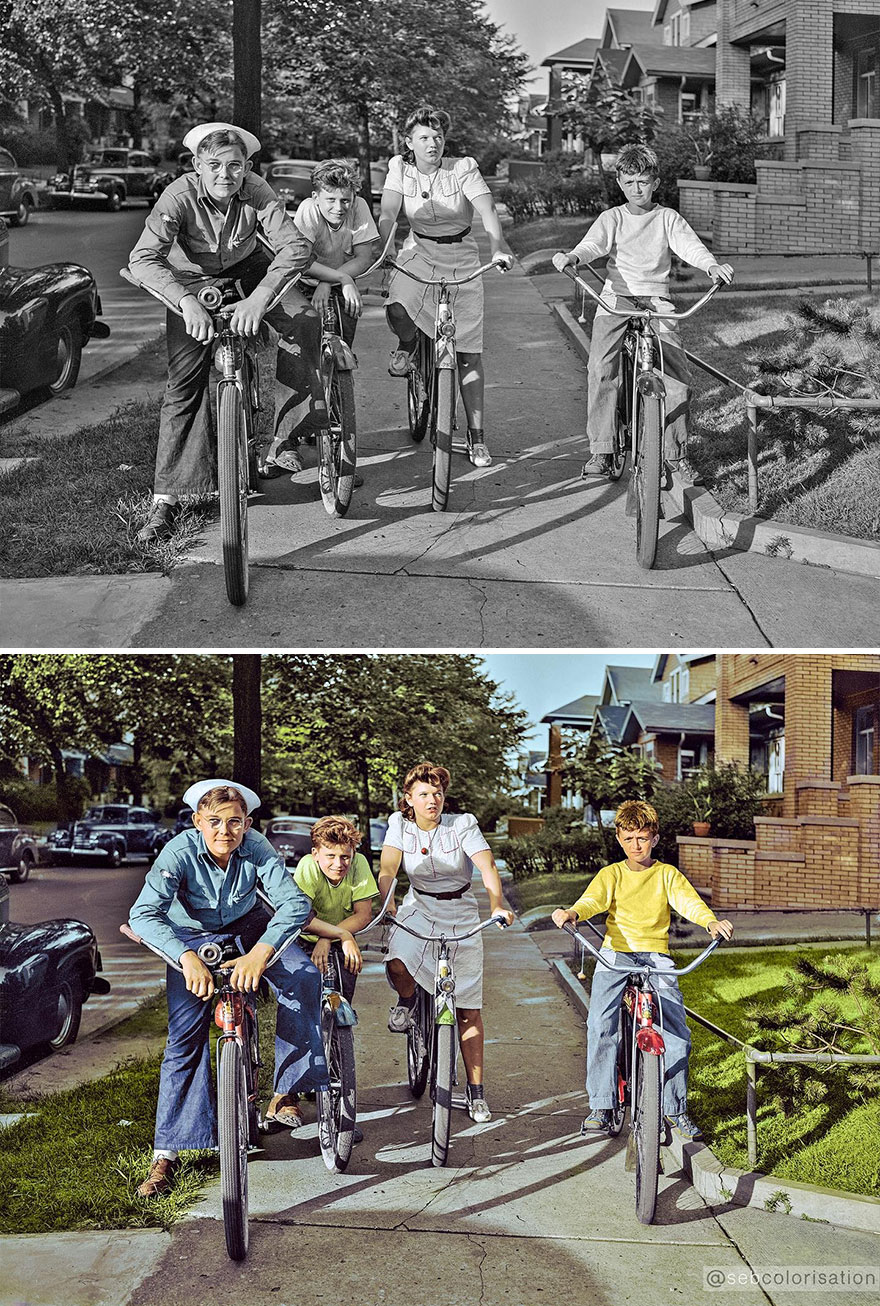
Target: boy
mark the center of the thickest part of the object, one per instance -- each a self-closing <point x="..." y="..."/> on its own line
<point x="214" y="214"/>
<point x="202" y="887"/>
<point x="639" y="238"/>
<point x="637" y="894"/>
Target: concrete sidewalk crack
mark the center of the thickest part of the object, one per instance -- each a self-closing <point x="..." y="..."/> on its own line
<point x="484" y="1254"/>
<point x="742" y="599"/>
<point x="484" y="599"/>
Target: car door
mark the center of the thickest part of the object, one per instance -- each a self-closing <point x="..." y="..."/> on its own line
<point x="138" y="831"/>
<point x="8" y="832"/>
<point x="8" y="175"/>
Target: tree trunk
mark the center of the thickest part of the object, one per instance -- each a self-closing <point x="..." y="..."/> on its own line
<point x="364" y="158"/>
<point x="247" y="61"/>
<point x="247" y="719"/>
<point x="366" y="810"/>
<point x="137" y="128"/>
<point x="137" y="772"/>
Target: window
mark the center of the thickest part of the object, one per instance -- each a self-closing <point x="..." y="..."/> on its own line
<point x="865" y="732"/>
<point x="685" y="26"/>
<point x="776" y="124"/>
<point x="675" y="29"/>
<point x="687" y="106"/>
<point x="866" y="84"/>
<point x="775" y="762"/>
<point x="678" y="685"/>
<point x="648" y="750"/>
<point x="687" y="763"/>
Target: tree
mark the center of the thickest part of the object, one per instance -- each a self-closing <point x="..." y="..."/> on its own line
<point x="247" y="55"/>
<point x="606" y="775"/>
<point x="248" y="720"/>
<point x="605" y="117"/>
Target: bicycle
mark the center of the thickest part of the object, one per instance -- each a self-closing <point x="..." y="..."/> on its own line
<point x="239" y="1122"/>
<point x="641" y="409"/>
<point x="431" y="1048"/>
<point x="432" y="381"/>
<point x="640" y="1069"/>
<point x="238" y="402"/>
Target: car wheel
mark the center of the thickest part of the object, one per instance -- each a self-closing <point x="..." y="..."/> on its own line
<point x="70" y="1004"/>
<point x="114" y="201"/>
<point x="23" y="869"/>
<point x="22" y="213"/>
<point x="69" y="356"/>
<point x="114" y="857"/>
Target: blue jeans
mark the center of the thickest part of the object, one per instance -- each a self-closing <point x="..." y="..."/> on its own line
<point x="603" y="1029"/>
<point x="186" y="1116"/>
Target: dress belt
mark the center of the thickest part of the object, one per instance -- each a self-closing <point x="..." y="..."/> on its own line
<point x="455" y="239"/>
<point x="454" y="893"/>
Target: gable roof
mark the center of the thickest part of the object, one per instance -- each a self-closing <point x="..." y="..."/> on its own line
<point x="582" y="52"/>
<point x="647" y="717"/>
<point x="626" y="683"/>
<point x="579" y="712"/>
<point x="610" y="718"/>
<point x="628" y="26"/>
<point x="613" y="62"/>
<point x="670" y="61"/>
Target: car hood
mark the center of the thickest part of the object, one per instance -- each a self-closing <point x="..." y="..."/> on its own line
<point x="15" y="938"/>
<point x="19" y="286"/>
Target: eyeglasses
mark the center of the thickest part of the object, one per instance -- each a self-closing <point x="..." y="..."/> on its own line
<point x="216" y="165"/>
<point x="233" y="825"/>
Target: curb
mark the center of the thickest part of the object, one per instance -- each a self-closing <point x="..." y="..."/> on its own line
<point x="723" y="1185"/>
<point x="721" y="529"/>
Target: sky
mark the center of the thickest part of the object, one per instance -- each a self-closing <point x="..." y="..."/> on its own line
<point x="543" y="26"/>
<point x="544" y="681"/>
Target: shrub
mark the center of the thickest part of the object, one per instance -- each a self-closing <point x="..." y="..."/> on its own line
<point x="735" y="795"/>
<point x="554" y="850"/>
<point x="552" y="193"/>
<point x="31" y="147"/>
<point x="32" y="802"/>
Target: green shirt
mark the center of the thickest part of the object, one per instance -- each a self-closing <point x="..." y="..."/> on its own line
<point x="333" y="902"/>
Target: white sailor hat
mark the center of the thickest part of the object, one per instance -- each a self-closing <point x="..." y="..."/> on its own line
<point x="194" y="137"/>
<point x="196" y="793"/>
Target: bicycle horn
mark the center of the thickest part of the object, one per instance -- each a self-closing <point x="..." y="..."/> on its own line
<point x="210" y="297"/>
<point x="210" y="953"/>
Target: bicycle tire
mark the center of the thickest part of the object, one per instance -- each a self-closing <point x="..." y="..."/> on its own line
<point x="338" y="445"/>
<point x="337" y="1106"/>
<point x="441" y="436"/>
<point x="232" y="473"/>
<point x="250" y="379"/>
<point x="618" y="1110"/>
<point x="444" y="1072"/>
<point x="232" y="1130"/>
<point x="622" y="437"/>
<point x="646" y="1127"/>
<point x="418" y="389"/>
<point x="418" y="1043"/>
<point x="251" y="1066"/>
<point x="647" y="473"/>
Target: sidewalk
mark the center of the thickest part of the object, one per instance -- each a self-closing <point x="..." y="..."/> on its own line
<point x="528" y="556"/>
<point x="525" y="1210"/>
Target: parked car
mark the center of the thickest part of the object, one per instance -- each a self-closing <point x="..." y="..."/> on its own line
<point x="378" y="173"/>
<point x="47" y="972"/>
<point x="291" y="836"/>
<point x="110" y="177"/>
<point x="47" y="316"/>
<point x="18" y="847"/>
<point x="183" y="821"/>
<point x="18" y="196"/>
<point x="378" y="831"/>
<point x="109" y="833"/>
<point x="292" y="179"/>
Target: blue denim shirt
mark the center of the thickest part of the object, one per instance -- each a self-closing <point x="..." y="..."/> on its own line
<point x="186" y="888"/>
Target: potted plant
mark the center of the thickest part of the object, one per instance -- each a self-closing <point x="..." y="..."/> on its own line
<point x="701" y="798"/>
<point x="701" y="143"/>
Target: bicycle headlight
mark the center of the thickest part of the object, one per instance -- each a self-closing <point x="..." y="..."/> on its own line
<point x="446" y="984"/>
<point x="447" y="329"/>
<point x="210" y="953"/>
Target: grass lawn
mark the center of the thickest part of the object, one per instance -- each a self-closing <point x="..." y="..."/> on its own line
<point x="834" y="1143"/>
<point x="540" y="890"/>
<point x="545" y="233"/>
<point x="75" y="507"/>
<point x="809" y="481"/>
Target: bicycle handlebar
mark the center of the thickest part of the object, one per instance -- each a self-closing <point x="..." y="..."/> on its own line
<point x="175" y="965"/>
<point x="494" y="919"/>
<point x="571" y="273"/>
<point x="209" y="296"/>
<point x="376" y="919"/>
<point x="653" y="970"/>
<point x="444" y="281"/>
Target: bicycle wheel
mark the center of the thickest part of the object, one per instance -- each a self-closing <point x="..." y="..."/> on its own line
<point x="444" y="1072"/>
<point x="418" y="388"/>
<point x="232" y="472"/>
<point x="250" y="379"/>
<point x="251" y="1068"/>
<point x="647" y="474"/>
<point x="618" y="1110"/>
<point x="337" y="1106"/>
<point x="646" y="1127"/>
<point x="622" y="425"/>
<point x="338" y="445"/>
<point x="418" y="1043"/>
<point x="232" y="1130"/>
<point x="441" y="435"/>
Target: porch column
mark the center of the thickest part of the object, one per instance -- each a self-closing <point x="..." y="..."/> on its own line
<point x="809" y="68"/>
<point x="732" y="62"/>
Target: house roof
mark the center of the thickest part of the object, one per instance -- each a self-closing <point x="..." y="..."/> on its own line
<point x="671" y="61"/>
<point x="647" y="717"/>
<point x="579" y="712"/>
<point x="629" y="26"/>
<point x="626" y="683"/>
<point x="659" y="668"/>
<point x="613" y="61"/>
<point x="581" y="52"/>
<point x="610" y="717"/>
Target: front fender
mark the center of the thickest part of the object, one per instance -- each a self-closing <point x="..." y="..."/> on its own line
<point x="343" y="355"/>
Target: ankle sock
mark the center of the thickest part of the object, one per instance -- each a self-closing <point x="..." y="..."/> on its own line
<point x="407" y="1002"/>
<point x="474" y="1090"/>
<point x="165" y="1154"/>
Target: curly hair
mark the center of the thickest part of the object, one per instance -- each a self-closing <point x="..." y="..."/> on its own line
<point x="219" y="140"/>
<point x="214" y="798"/>
<point x="336" y="174"/>
<point x="336" y="831"/>
<point x="636" y="815"/>
<point x="425" y="115"/>
<point x="423" y="773"/>
<point x="634" y="159"/>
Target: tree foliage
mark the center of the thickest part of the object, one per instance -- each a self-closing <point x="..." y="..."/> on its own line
<point x="606" y="775"/>
<point x="605" y="117"/>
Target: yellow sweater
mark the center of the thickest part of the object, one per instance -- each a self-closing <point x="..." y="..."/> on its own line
<point x="638" y="905"/>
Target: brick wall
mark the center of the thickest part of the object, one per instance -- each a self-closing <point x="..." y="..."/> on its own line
<point x="732" y="62"/>
<point x="704" y="21"/>
<point x="701" y="678"/>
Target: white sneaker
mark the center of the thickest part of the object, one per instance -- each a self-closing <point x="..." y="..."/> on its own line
<point x="401" y="362"/>
<point x="400" y="1018"/>
<point x="478" y="453"/>
<point x="478" y="1110"/>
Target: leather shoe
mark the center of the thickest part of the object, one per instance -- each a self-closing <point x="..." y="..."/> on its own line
<point x="601" y="464"/>
<point x="161" y="522"/>
<point x="158" y="1181"/>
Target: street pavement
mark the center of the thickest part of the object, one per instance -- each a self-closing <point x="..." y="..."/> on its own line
<point x="528" y="555"/>
<point x="525" y="1212"/>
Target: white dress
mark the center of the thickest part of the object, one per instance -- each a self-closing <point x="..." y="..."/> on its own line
<point x="444" y="867"/>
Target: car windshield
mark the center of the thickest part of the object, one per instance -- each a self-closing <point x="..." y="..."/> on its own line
<point x="291" y="170"/>
<point x="292" y="827"/>
<point x="109" y="158"/>
<point x="116" y="814"/>
<point x="6" y="816"/>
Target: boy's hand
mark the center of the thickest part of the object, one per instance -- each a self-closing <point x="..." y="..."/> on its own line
<point x="197" y="320"/>
<point x="562" y="916"/>
<point x="195" y="972"/>
<point x="247" y="971"/>
<point x="352" y="954"/>
<point x="248" y="314"/>
<point x="562" y="261"/>
<point x="721" y="272"/>
<point x="724" y="928"/>
<point x="351" y="299"/>
<point x="321" y="954"/>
